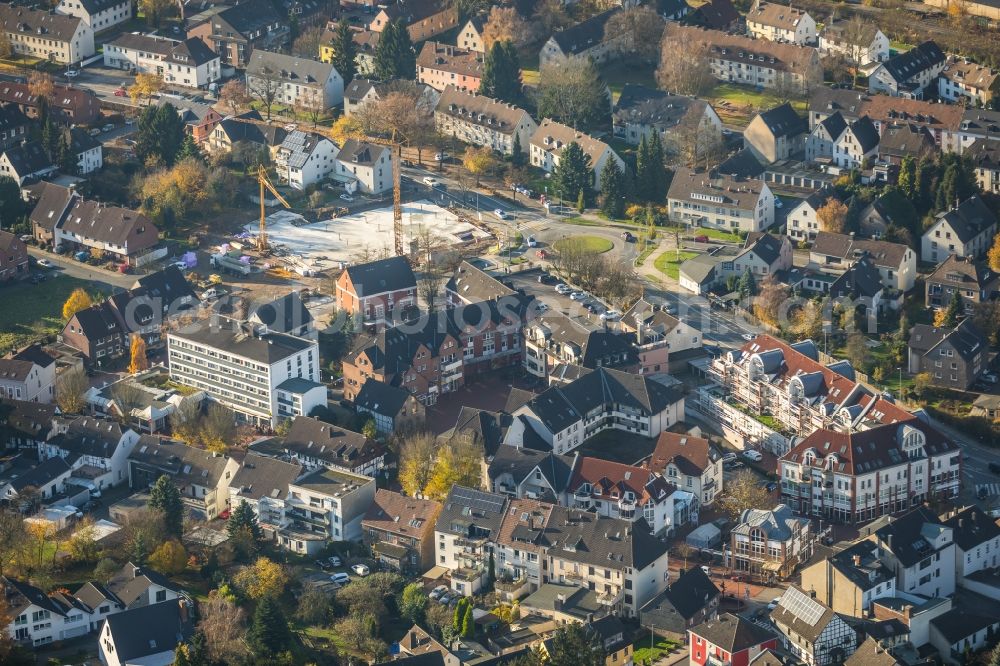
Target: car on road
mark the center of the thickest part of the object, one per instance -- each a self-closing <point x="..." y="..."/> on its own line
<point x="360" y="569"/>
<point x="748" y="336"/>
<point x="773" y="603"/>
<point x="430" y="182"/>
<point x="94" y="131"/>
<point x="532" y="242"/>
<point x="578" y="296"/>
<point x="730" y="457"/>
<point x="108" y="127"/>
<point x="542" y="307"/>
<point x="45" y="263"/>
<point x="541" y="254"/>
<point x="994" y="467"/>
<point x="755" y="456"/>
<point x="701" y="239"/>
<point x="346" y="197"/>
<point x="499" y="212"/>
<point x="610" y="315"/>
<point x="627" y="237"/>
<point x="340" y="578"/>
<point x="72" y="73"/>
<point x="441" y="157"/>
<point x="563" y="288"/>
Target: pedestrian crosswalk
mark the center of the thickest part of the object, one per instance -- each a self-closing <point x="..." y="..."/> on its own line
<point x="987" y="489"/>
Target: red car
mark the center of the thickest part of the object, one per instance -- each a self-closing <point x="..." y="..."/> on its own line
<point x="541" y="254"/>
<point x="121" y="92"/>
<point x="701" y="239"/>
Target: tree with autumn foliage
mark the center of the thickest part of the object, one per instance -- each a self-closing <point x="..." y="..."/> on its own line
<point x="767" y="304"/>
<point x="993" y="256"/>
<point x="78" y="300"/>
<point x="948" y="317"/>
<point x="234" y="95"/>
<point x="169" y="558"/>
<point x="146" y="85"/>
<point x="417" y="455"/>
<point x="457" y="463"/>
<point x="137" y="355"/>
<point x="832" y="216"/>
<point x="263" y="578"/>
<point x="744" y="492"/>
<point x="478" y="161"/>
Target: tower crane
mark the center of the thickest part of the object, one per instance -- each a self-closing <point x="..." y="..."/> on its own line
<point x="265" y="183"/>
<point x="397" y="185"/>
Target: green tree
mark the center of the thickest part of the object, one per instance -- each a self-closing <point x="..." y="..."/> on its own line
<point x="907" y="176"/>
<point x="394" y="55"/>
<point x="458" y="617"/>
<point x="165" y="498"/>
<point x="159" y="134"/>
<point x="658" y="180"/>
<point x="189" y="148"/>
<point x="345" y="52"/>
<point x="643" y="186"/>
<point x="181" y="656"/>
<point x="369" y="430"/>
<point x="574" y="645"/>
<point x="952" y="312"/>
<point x="748" y="286"/>
<point x="268" y="634"/>
<point x="612" y="190"/>
<point x="572" y="174"/>
<point x="947" y="189"/>
<point x="12" y="205"/>
<point x="413" y="603"/>
<point x="581" y="201"/>
<point x="922" y="185"/>
<point x="66" y="159"/>
<point x="492" y="569"/>
<point x="517" y="152"/>
<point x="468" y="623"/>
<point x="501" y="72"/>
<point x="243" y="520"/>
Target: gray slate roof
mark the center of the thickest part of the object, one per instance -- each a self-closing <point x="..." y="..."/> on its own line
<point x="383" y="275"/>
<point x="291" y="69"/>
<point x="262" y="476"/>
<point x="148" y="630"/>
<point x="468" y="512"/>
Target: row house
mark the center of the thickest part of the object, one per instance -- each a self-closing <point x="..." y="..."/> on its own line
<point x="966" y="229"/>
<point x="962" y="80"/>
<point x="423" y="19"/>
<point x="394" y="410"/>
<point x="67" y="104"/>
<point x="718" y="201"/>
<point x="778" y="22"/>
<point x="529" y="474"/>
<point x="768" y="545"/>
<point x="869" y="45"/>
<point x="379" y="291"/>
<point x="471" y="284"/>
<point x="99" y="14"/>
<point x="25" y="425"/>
<point x="443" y="65"/>
<point x="188" y="63"/>
<point x="811" y="631"/>
<point x="977" y="541"/>
<point x="304" y="159"/>
<point x="729" y="639"/>
<point x="37" y="618"/>
<point x="975" y="281"/>
<point x="483" y="121"/>
<point x="975" y="124"/>
<point x="835" y="253"/>
<point x="585" y="40"/>
<point x="554" y="341"/>
<point x="687" y="602"/>
<point x="854" y="477"/>
<point x="235" y="31"/>
<point x="14" y="125"/>
<point x="551" y="138"/>
<point x="438" y="352"/>
<point x="687" y="125"/>
<point x="466" y="530"/>
<point x="37" y="33"/>
<point x="563" y="417"/>
<point x="316" y="444"/>
<point x="400" y="531"/>
<point x="776" y="134"/>
<point x="262" y="482"/>
<point x="909" y="74"/>
<point x="97" y="332"/>
<point x="985" y="156"/>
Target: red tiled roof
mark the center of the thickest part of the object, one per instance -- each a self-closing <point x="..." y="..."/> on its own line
<point x="837" y="387"/>
<point x="689" y="453"/>
<point x="615" y="479"/>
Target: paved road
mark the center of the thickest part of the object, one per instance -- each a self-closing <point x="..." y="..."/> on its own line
<point x="65" y="266"/>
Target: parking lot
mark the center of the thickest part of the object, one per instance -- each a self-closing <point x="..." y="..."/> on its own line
<point x="562" y="303"/>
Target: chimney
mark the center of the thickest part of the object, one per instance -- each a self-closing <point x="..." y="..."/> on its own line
<point x="558" y="603"/>
<point x="888" y="542"/>
<point x="857" y="560"/>
<point x="182" y="605"/>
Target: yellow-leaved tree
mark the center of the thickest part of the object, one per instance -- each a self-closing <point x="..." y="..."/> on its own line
<point x="458" y="463"/>
<point x="263" y="578"/>
<point x="146" y="85"/>
<point x="416" y="462"/>
<point x="137" y="355"/>
<point x="78" y="300"/>
<point x="170" y="558"/>
<point x="346" y="128"/>
<point x="994" y="254"/>
<point x="478" y="161"/>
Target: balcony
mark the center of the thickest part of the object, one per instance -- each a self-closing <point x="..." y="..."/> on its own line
<point x="511" y="587"/>
<point x="452" y="366"/>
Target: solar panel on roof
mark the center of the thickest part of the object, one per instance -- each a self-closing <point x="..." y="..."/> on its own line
<point x="801" y="606"/>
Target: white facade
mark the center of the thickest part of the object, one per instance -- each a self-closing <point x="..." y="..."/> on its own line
<point x="41" y="626"/>
<point x="100" y="15"/>
<point x="877" y="50"/>
<point x="301" y="163"/>
<point x="90" y="160"/>
<point x="546" y="149"/>
<point x="848" y="153"/>
<point x="327" y="504"/>
<point x="941" y="240"/>
<point x="372" y="176"/>
<point x="714" y="212"/>
<point x="75" y="44"/>
<point x="157" y="55"/>
<point x="37" y="386"/>
<point x="801" y="30"/>
<point x="114" y="468"/>
<point x="706" y="486"/>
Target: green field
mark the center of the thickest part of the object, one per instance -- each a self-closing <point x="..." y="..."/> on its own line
<point x="737" y="104"/>
<point x="669" y="263"/>
<point x="717" y="234"/>
<point x="618" y="73"/>
<point x="643" y="653"/>
<point x="35" y="310"/>
<point x="589" y="244"/>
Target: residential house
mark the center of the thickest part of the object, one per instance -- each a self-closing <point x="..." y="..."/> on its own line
<point x="149" y="408"/>
<point x="869" y="45"/>
<point x="880" y="470"/>
<point x="364" y="166"/>
<point x="563" y="417"/>
<point x="97" y="333"/>
<point x="246" y="129"/>
<point x="910" y="73"/>
<point x="37" y="618"/>
<point x="13" y="125"/>
<point x="913" y="611"/>
<point x="27" y="484"/>
<point x="716" y="15"/>
<point x="769" y="545"/>
<point x="987" y="406"/>
<point x="380" y="291"/>
<point x="803" y="223"/>
<point x="201" y="476"/>
<point x="295" y="81"/>
<point x="728" y="639"/>
<point x="153" y="299"/>
<point x="44" y="35"/>
<point x="717" y="201"/>
<point x="672" y="10"/>
<point x="553" y="341"/>
<point x="470" y="284"/>
<point x="424" y="19"/>
<point x="901" y="140"/>
<point x="266" y="376"/>
<point x="480" y="427"/>
<point x="88" y="150"/>
<point x="99" y="14"/>
<point x="325" y="505"/>
<point x="287" y="314"/>
<point x="400" y="531"/>
<point x="662" y="341"/>
<point x="690" y="463"/>
<point x="187" y="63"/>
<point x="920" y="550"/>
<point x="953" y="357"/>
<point x="889" y="209"/>
<point x="896" y="263"/>
<point x="393" y="409"/>
<point x="26" y="162"/>
<point x="687" y="125"/>
<point x="687" y="602"/>
<point x="23" y="424"/>
<point x="482" y="121"/>
<point x="304" y="159"/>
<point x="610" y="633"/>
<point x="466" y="529"/>
<point x="315" y="444"/>
<point x="13" y="257"/>
<point x="120" y="233"/>
<point x="861" y="285"/>
<point x="960" y="631"/>
<point x="974" y="280"/>
<point x="977" y="541"/>
<point x="856" y="145"/>
<point x="96" y="449"/>
<point x="471" y="35"/>
<point x="200" y="120"/>
<point x="778" y="22"/>
<point x="529" y="474"/>
<point x="438" y="352"/>
<point x="823" y="137"/>
<point x="29" y="375"/>
<point x="739" y="59"/>
<point x="262" y="483"/>
<point x="442" y="65"/>
<point x="67" y="104"/>
<point x="778" y="133"/>
<point x="966" y="229"/>
<point x="236" y="31"/>
<point x="148" y="635"/>
<point x="985" y="156"/>
<point x="812" y="631"/>
<point x="586" y="39"/>
<point x="551" y="138"/>
<point x="962" y="80"/>
<point x="847" y="582"/>
<point x="975" y="124"/>
<point x="359" y="92"/>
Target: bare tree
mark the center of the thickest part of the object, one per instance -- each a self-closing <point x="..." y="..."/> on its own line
<point x="11" y="535"/>
<point x="505" y="24"/>
<point x="127" y="397"/>
<point x="311" y="105"/>
<point x="684" y="65"/>
<point x="234" y="94"/>
<point x="639" y="29"/>
<point x="265" y="86"/>
<point x="71" y="386"/>
<point x="306" y="45"/>
<point x="549" y="16"/>
<point x="695" y="141"/>
<point x="744" y="492"/>
<point x="223" y="624"/>
<point x="403" y="115"/>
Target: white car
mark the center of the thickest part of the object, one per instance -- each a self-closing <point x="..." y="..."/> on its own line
<point x="729" y="457"/>
<point x="72" y="73"/>
<point x="748" y="336"/>
<point x="179" y="265"/>
<point x="778" y="203"/>
<point x="360" y="569"/>
<point x="45" y="263"/>
<point x="708" y="571"/>
<point x="499" y="212"/>
<point x="210" y="294"/>
<point x="430" y="182"/>
<point x="753" y="455"/>
<point x="532" y="242"/>
<point x="578" y="296"/>
<point x="542" y="307"/>
<point x="610" y="315"/>
<point x="563" y="288"/>
<point x="774" y="603"/>
<point x="346" y="197"/>
<point x="440" y="157"/>
<point x="341" y="578"/>
<point x="438" y="591"/>
<point x="334" y="561"/>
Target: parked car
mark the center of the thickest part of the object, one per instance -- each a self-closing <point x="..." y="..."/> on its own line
<point x="324" y="565"/>
<point x="346" y="197"/>
<point x="701" y="239"/>
<point x="45" y="263"/>
<point x="770" y="486"/>
<point x="72" y="73"/>
<point x="107" y="128"/>
<point x="578" y="296"/>
<point x="94" y="132"/>
<point x="499" y="212"/>
<point x="82" y="255"/>
<point x="990" y="377"/>
<point x="26" y="238"/>
<point x="610" y="315"/>
<point x="440" y="157"/>
<point x="532" y="242"/>
<point x="340" y="578"/>
<point x="361" y="569"/>
<point x="179" y="265"/>
<point x="445" y="597"/>
<point x="773" y="603"/>
<point x="755" y="456"/>
<point x="563" y="288"/>
<point x="437" y="592"/>
<point x="211" y="293"/>
<point x="430" y="182"/>
<point x="748" y="336"/>
<point x="334" y="560"/>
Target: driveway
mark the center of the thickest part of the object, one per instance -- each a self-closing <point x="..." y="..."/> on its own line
<point x="81" y="271"/>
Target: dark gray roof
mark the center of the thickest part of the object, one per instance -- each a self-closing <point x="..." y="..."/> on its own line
<point x="110" y="224"/>
<point x="189" y="52"/>
<point x="383" y="275"/>
<point x="28" y="158"/>
<point x="584" y="35"/>
<point x="655" y="108"/>
<point x="149" y="630"/>
<point x="244" y="129"/>
<point x="600" y="347"/>
<point x="312" y="438"/>
<point x="167" y="284"/>
<point x="909" y="535"/>
<point x="776" y="523"/>
<point x="732" y="633"/>
<point x="57" y="27"/>
<point x="250" y="16"/>
<point x="741" y="164"/>
<point x="471" y="513"/>
<point x="690" y="593"/>
<point x="98" y="321"/>
<point x="286" y="314"/>
<point x="972" y="527"/>
<point x="12" y="118"/>
<point x="360" y="152"/>
<point x="864" y="131"/>
<point x="862" y="279"/>
<point x="21" y="419"/>
<point x="519" y="463"/>
<point x="133" y="581"/>
<point x="91" y="436"/>
<point x="186" y="465"/>
<point x="868" y="572"/>
<point x="921" y="57"/>
<point x="783" y="121"/>
<point x="474" y="284"/>
<point x="40" y="474"/>
<point x="584" y="537"/>
<point x="486" y="427"/>
<point x="93" y="594"/>
<point x="262" y="476"/>
<point x="21" y="594"/>
<point x="827" y="101"/>
<point x="381" y="398"/>
<point x="717" y="14"/>
<point x="292" y="69"/>
<point x="965" y="338"/>
<point x="765" y="245"/>
<point x="970" y="219"/>
<point x="267" y="348"/>
<point x="958" y="624"/>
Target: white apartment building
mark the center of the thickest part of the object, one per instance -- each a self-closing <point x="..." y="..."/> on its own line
<point x="99" y="14"/>
<point x="262" y="377"/>
<point x="365" y="167"/>
<point x="551" y="138"/>
<point x="836" y="253"/>
<point x="920" y="549"/>
<point x="483" y="121"/>
<point x="188" y="63"/>
<point x="48" y="36"/>
<point x="305" y="158"/>
<point x="690" y="463"/>
<point x="778" y="22"/>
<point x="262" y="482"/>
<point x="39" y="619"/>
<point x="295" y="81"/>
<point x="717" y="201"/>
<point x="977" y="541"/>
<point x="325" y="505"/>
<point x="465" y="534"/>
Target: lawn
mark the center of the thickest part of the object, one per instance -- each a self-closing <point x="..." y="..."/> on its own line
<point x="589" y="244"/>
<point x="644" y="654"/>
<point x="737" y="104"/>
<point x="718" y="234"/>
<point x="39" y="309"/>
<point x="669" y="263"/>
<point x="617" y="74"/>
